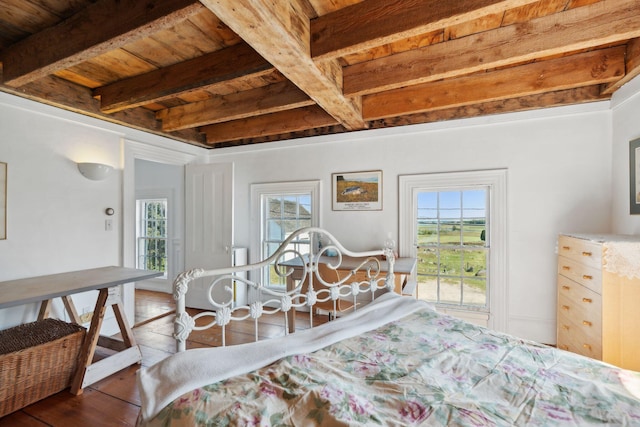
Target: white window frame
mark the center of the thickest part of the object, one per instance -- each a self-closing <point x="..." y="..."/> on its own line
<point x="158" y="283"/>
<point x="496" y="181"/>
<point x="258" y="191"/>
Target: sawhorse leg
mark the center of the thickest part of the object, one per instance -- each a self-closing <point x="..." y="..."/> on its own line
<point x="88" y="372"/>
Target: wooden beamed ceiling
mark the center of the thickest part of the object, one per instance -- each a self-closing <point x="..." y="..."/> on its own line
<point x="216" y="73"/>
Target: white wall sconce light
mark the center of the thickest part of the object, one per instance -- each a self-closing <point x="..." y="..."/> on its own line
<point x="94" y="171"/>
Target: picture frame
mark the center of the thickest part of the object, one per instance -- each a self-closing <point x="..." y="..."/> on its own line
<point x="3" y="201"/>
<point x="357" y="191"/>
<point x="634" y="177"/>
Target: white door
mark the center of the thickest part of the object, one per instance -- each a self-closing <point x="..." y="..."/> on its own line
<point x="209" y="223"/>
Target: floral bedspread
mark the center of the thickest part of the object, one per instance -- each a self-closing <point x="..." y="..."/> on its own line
<point x="426" y="369"/>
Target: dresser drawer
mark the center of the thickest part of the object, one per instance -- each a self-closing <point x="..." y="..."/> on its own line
<point x="585" y="275"/>
<point x="573" y="337"/>
<point x="579" y="302"/>
<point x="582" y="251"/>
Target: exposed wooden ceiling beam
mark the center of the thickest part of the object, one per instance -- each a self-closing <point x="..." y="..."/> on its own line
<point x="632" y="66"/>
<point x="581" y="28"/>
<point x="269" y="124"/>
<point x="559" y="98"/>
<point x="585" y="69"/>
<point x="99" y="28"/>
<point x="285" y="43"/>
<point x="61" y="93"/>
<point x="201" y="73"/>
<point x="264" y="100"/>
<point x="374" y="23"/>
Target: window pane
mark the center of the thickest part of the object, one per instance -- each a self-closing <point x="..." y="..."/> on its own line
<point x="450" y="291"/>
<point x="450" y="262"/>
<point x="427" y="200"/>
<point x="427" y="233"/>
<point x="427" y="289"/>
<point x="450" y="233"/>
<point x="427" y="261"/>
<point x="475" y="291"/>
<point x="475" y="263"/>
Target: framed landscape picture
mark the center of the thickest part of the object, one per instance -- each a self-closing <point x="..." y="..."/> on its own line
<point x="3" y="201"/>
<point x="634" y="177"/>
<point x="357" y="191"/>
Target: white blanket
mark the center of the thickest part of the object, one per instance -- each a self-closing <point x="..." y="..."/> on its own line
<point x="180" y="373"/>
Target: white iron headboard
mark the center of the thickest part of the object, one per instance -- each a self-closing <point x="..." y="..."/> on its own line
<point x="311" y="289"/>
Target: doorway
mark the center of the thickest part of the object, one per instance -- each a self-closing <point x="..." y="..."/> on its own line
<point x="134" y="152"/>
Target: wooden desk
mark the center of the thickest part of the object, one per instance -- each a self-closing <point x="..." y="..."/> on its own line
<point x="106" y="280"/>
<point x="402" y="268"/>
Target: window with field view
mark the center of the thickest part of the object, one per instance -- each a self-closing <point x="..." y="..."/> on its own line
<point x="453" y="248"/>
<point x="151" y="232"/>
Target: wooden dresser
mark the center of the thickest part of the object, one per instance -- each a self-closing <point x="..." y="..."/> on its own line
<point x="599" y="308"/>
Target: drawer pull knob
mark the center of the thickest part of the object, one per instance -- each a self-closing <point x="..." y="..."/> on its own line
<point x="566" y="268"/>
<point x="587" y="277"/>
<point x="588" y="300"/>
<point x="587" y="323"/>
<point x="566" y="288"/>
<point x="586" y="254"/>
<point x="587" y="346"/>
<point x="565" y="307"/>
<point x="566" y="248"/>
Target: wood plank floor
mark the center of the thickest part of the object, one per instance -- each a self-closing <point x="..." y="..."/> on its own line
<point x="115" y="401"/>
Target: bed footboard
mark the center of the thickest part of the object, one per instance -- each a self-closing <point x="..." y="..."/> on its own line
<point x="312" y="282"/>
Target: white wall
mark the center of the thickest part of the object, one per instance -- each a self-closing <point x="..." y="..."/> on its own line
<point x="626" y="127"/>
<point x="55" y="218"/>
<point x="559" y="178"/>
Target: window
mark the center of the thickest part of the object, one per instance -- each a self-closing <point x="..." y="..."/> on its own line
<point x="282" y="215"/>
<point x="455" y="225"/>
<point x="452" y="248"/>
<point x="151" y="248"/>
<point x="284" y="208"/>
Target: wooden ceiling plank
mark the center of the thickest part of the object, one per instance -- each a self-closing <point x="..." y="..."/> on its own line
<point x="97" y="29"/>
<point x="374" y="23"/>
<point x="585" y="69"/>
<point x="586" y="27"/>
<point x="632" y="67"/>
<point x="285" y="43"/>
<point x="264" y="100"/>
<point x="195" y="74"/>
<point x="268" y="124"/>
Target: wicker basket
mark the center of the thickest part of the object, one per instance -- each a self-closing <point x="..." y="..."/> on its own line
<point x="37" y="360"/>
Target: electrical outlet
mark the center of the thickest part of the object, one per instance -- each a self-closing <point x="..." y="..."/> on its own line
<point x="86" y="317"/>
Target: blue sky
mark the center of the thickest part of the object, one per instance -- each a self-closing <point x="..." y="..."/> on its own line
<point x="472" y="201"/>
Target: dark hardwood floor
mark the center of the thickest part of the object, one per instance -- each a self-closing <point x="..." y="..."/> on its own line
<point x="115" y="401"/>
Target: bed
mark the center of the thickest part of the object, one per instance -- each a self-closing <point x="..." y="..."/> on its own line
<point x="393" y="360"/>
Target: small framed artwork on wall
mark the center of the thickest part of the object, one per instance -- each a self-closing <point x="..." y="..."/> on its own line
<point x="3" y="201"/>
<point x="357" y="191"/>
<point x="634" y="176"/>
